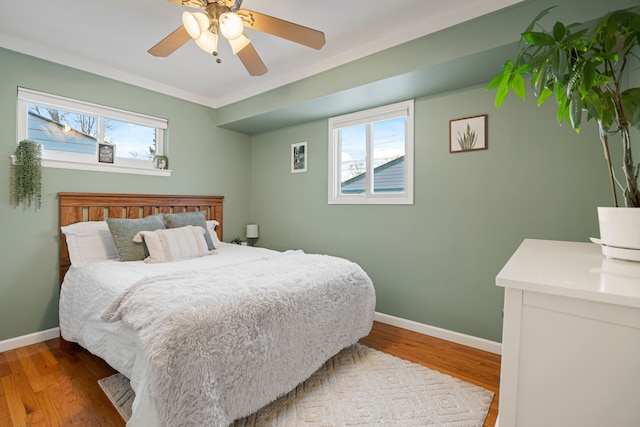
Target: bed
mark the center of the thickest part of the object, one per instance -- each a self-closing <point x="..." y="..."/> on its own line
<point x="204" y="339"/>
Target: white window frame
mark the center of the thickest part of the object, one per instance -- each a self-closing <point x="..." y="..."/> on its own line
<point x="79" y="161"/>
<point x="400" y="109"/>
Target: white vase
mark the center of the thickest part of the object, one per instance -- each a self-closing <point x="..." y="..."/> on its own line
<point x="620" y="231"/>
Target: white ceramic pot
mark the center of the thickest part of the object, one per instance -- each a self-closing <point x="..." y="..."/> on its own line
<point x="620" y="227"/>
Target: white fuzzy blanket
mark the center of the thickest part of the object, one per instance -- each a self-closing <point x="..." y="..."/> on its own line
<point x="224" y="342"/>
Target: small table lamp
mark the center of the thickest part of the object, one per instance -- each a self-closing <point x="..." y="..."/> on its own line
<point x="252" y="233"/>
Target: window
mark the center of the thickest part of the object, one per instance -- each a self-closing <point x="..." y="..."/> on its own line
<point x="371" y="156"/>
<point x="70" y="132"/>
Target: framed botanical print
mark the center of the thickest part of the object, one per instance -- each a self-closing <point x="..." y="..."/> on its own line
<point x="468" y="134"/>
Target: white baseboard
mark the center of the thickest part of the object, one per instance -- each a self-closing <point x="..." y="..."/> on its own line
<point x="456" y="337"/>
<point x="36" y="337"/>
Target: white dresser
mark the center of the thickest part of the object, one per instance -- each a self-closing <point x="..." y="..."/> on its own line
<point x="571" y="338"/>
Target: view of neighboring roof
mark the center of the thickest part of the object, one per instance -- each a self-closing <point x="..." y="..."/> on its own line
<point x="388" y="177"/>
<point x="57" y="136"/>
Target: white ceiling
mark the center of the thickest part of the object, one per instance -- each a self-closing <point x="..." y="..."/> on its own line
<point x="111" y="38"/>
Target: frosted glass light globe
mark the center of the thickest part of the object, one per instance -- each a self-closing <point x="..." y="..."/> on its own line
<point x="231" y="25"/>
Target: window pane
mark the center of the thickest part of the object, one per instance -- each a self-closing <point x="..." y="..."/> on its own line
<point x="353" y="149"/>
<point x="131" y="141"/>
<point x="59" y="130"/>
<point x="371" y="156"/>
<point x="388" y="156"/>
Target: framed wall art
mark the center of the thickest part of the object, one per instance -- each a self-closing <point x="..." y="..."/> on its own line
<point x="468" y="134"/>
<point x="299" y="157"/>
<point x="106" y="153"/>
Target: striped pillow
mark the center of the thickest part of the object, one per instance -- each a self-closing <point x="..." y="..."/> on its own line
<point x="173" y="244"/>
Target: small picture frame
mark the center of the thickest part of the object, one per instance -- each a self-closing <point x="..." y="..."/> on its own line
<point x="299" y="157"/>
<point x="468" y="134"/>
<point x="106" y="153"/>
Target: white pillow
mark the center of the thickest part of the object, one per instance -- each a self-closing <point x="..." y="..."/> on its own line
<point x="173" y="244"/>
<point x="89" y="242"/>
<point x="211" y="226"/>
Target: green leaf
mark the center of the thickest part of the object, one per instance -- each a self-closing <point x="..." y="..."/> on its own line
<point x="546" y="92"/>
<point x="495" y="82"/>
<point x="588" y="77"/>
<point x="501" y="95"/>
<point x="593" y="105"/>
<point x="560" y="115"/>
<point x="575" y="39"/>
<point x="518" y="87"/>
<point x="560" y="96"/>
<point x="601" y="80"/>
<point x="536" y="80"/>
<point x="536" y="38"/>
<point x="541" y="15"/>
<point x="631" y="105"/>
<point x="559" y="65"/>
<point x="559" y="31"/>
<point x="575" y="110"/>
<point x="609" y="117"/>
<point x="573" y="78"/>
<point x="503" y="82"/>
<point x="605" y="56"/>
<point x="561" y="101"/>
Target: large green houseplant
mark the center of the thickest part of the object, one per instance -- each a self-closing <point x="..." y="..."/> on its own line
<point x="583" y="68"/>
<point x="26" y="174"/>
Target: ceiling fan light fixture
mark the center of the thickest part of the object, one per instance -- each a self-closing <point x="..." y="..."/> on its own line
<point x="231" y="25"/>
<point x="227" y="18"/>
<point x="195" y="23"/>
<point x="239" y="43"/>
<point x="208" y="42"/>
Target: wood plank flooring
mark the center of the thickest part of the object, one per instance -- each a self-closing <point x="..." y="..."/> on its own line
<point x="54" y="383"/>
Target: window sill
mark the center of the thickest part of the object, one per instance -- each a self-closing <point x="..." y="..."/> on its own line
<point x="61" y="164"/>
<point x="371" y="201"/>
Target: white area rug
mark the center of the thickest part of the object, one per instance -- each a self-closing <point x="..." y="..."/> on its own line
<point x="359" y="387"/>
<point x="119" y="392"/>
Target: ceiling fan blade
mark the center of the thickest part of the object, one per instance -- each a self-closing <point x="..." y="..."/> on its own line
<point x="191" y="3"/>
<point x="284" y="29"/>
<point x="252" y="61"/>
<point x="171" y="43"/>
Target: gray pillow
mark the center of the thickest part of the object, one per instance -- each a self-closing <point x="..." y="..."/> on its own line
<point x="182" y="219"/>
<point x="123" y="231"/>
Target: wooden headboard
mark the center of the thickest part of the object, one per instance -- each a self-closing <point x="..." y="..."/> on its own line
<point x="79" y="207"/>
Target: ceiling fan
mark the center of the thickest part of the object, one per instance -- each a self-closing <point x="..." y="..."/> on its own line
<point x="224" y="17"/>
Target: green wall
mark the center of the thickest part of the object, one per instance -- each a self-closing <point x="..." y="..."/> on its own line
<point x="205" y="160"/>
<point x="435" y="262"/>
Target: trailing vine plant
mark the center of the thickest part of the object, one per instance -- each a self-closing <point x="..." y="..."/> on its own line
<point x="26" y="175"/>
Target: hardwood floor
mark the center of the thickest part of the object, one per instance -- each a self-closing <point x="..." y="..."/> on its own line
<point x="54" y="383"/>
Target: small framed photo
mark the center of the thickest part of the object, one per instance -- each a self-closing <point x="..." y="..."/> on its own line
<point x="299" y="157"/>
<point x="468" y="134"/>
<point x="106" y="153"/>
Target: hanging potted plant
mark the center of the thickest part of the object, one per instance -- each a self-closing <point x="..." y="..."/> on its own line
<point x="583" y="68"/>
<point x="26" y="174"/>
